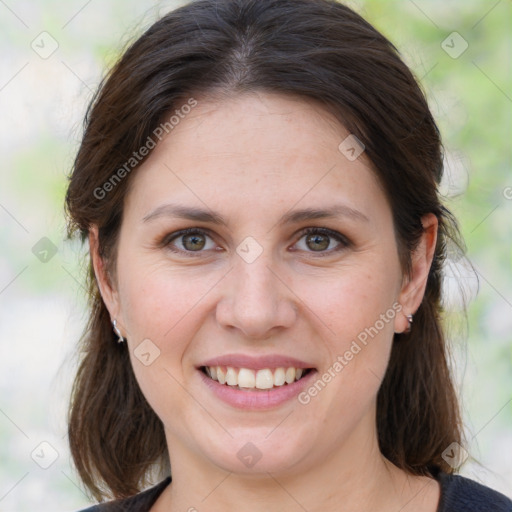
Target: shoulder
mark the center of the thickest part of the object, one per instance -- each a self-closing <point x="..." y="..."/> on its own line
<point x="141" y="502"/>
<point x="460" y="494"/>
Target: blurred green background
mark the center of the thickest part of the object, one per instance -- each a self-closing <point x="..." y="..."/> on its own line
<point x="53" y="56"/>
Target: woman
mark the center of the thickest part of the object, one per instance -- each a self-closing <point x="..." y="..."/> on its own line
<point x="258" y="185"/>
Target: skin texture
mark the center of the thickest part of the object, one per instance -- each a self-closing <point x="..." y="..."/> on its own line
<point x="253" y="158"/>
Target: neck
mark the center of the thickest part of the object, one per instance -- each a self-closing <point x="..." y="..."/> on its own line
<point x="355" y="476"/>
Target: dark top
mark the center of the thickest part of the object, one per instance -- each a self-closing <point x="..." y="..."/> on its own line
<point x="458" y="494"/>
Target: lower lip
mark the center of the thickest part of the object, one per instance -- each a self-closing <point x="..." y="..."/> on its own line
<point x="258" y="399"/>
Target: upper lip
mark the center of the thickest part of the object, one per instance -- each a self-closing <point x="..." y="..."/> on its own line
<point x="257" y="362"/>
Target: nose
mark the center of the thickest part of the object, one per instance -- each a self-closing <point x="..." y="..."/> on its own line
<point x="256" y="300"/>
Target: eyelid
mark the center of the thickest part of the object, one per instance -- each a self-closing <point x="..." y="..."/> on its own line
<point x="169" y="238"/>
<point x="343" y="240"/>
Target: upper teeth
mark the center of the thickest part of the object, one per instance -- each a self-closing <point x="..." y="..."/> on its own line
<point x="260" y="379"/>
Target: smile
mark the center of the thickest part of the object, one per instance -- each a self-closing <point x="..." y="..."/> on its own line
<point x="249" y="379"/>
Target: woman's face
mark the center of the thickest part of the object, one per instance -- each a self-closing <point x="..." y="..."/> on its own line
<point x="249" y="288"/>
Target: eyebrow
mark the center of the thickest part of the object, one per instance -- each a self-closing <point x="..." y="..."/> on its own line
<point x="199" y="215"/>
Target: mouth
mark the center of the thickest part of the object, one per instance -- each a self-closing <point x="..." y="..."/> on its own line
<point x="247" y="379"/>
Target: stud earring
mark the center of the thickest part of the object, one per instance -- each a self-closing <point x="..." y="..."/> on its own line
<point x="117" y="331"/>
<point x="409" y="327"/>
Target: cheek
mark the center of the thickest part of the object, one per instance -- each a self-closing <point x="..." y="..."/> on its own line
<point x="356" y="313"/>
<point x="353" y="301"/>
<point x="157" y="299"/>
<point x="164" y="308"/>
<point x="167" y="307"/>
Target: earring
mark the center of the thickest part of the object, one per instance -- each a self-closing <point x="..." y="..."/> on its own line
<point x="117" y="331"/>
<point x="409" y="327"/>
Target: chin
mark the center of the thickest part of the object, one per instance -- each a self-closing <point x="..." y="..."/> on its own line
<point x="259" y="451"/>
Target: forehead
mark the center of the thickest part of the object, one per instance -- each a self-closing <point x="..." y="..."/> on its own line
<point x="256" y="125"/>
<point x="260" y="149"/>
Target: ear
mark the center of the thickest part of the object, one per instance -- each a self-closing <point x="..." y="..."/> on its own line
<point x="413" y="289"/>
<point x="105" y="282"/>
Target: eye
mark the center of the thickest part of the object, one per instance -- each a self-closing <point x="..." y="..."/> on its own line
<point x="189" y="241"/>
<point x="316" y="240"/>
<point x="320" y="239"/>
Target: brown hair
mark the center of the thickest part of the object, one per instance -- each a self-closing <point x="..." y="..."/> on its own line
<point x="317" y="49"/>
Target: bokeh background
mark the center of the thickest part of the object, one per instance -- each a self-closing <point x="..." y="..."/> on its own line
<point x="53" y="55"/>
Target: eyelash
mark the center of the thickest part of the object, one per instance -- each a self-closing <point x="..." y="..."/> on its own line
<point x="343" y="241"/>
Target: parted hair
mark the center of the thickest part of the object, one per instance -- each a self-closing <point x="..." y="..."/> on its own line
<point x="317" y="49"/>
